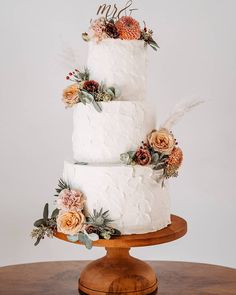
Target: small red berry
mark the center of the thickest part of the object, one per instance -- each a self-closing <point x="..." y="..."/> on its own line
<point x="70" y="74"/>
<point x="67" y="77"/>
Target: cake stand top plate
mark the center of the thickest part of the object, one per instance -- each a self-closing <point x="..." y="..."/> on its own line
<point x="174" y="231"/>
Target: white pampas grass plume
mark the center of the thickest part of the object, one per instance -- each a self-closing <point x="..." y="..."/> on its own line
<point x="68" y="59"/>
<point x="179" y="112"/>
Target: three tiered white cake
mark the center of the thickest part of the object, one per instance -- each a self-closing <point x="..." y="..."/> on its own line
<point x="117" y="183"/>
<point x="136" y="200"/>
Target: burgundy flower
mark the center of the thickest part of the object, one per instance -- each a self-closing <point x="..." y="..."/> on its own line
<point x="90" y="229"/>
<point x="91" y="86"/>
<point x="143" y="156"/>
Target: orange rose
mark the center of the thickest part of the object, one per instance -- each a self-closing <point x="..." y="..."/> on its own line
<point x="70" y="222"/>
<point x="161" y="141"/>
<point x="71" y="95"/>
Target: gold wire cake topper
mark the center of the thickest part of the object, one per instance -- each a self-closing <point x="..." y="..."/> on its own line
<point x="112" y="11"/>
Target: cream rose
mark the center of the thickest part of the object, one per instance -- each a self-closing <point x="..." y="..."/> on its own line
<point x="71" y="95"/>
<point x="162" y="141"/>
<point x="70" y="222"/>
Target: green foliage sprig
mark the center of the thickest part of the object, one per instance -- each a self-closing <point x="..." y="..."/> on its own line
<point x="61" y="186"/>
<point x="96" y="225"/>
<point x="45" y="226"/>
<point x="85" y="95"/>
<point x="147" y="36"/>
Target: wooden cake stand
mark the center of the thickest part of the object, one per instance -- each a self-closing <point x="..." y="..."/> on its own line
<point x="120" y="273"/>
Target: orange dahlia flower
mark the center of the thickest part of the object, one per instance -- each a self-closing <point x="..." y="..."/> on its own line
<point x="174" y="161"/>
<point x="128" y="28"/>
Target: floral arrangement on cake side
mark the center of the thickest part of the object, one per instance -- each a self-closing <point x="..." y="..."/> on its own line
<point x="71" y="219"/>
<point x="160" y="149"/>
<point x="125" y="28"/>
<point x="87" y="91"/>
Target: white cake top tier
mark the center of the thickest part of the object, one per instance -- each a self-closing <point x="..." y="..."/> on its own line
<point x="120" y="63"/>
<point x="119" y="128"/>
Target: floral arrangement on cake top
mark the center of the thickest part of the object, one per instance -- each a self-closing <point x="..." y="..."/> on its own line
<point x="71" y="219"/>
<point x="87" y="91"/>
<point x="160" y="149"/>
<point x="125" y="28"/>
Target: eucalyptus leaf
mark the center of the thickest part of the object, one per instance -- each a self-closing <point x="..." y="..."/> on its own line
<point x="55" y="213"/>
<point x="86" y="97"/>
<point x="97" y="106"/>
<point x="117" y="92"/>
<point x="73" y="238"/>
<point x="110" y="92"/>
<point x="155" y="158"/>
<point x="45" y="212"/>
<point x="127" y="158"/>
<point x="112" y="89"/>
<point x="85" y="240"/>
<point x="37" y="241"/>
<point x="93" y="236"/>
<point x="39" y="222"/>
<point x="83" y="100"/>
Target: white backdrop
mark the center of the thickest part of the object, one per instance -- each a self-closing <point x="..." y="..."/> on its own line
<point x="197" y="59"/>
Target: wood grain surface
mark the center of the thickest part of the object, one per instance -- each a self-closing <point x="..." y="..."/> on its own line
<point x="174" y="231"/>
<point x="118" y="273"/>
<point x="61" y="278"/>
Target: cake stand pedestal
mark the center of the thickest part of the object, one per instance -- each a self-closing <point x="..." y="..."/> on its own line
<point x="118" y="272"/>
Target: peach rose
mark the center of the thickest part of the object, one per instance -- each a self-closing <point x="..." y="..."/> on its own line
<point x="162" y="141"/>
<point x="71" y="95"/>
<point x="70" y="200"/>
<point x="70" y="222"/>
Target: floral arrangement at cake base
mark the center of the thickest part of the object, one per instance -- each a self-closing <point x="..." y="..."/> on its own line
<point x="87" y="91"/>
<point x="70" y="219"/>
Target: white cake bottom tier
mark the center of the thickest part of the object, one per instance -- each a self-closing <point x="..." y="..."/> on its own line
<point x="136" y="201"/>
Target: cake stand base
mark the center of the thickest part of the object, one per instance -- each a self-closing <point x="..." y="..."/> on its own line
<point x="118" y="273"/>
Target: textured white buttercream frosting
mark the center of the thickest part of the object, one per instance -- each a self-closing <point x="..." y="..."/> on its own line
<point x="120" y="63"/>
<point x="136" y="201"/>
<point x="119" y="128"/>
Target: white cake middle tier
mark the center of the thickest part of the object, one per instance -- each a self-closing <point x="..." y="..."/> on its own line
<point x="119" y="128"/>
<point x="136" y="201"/>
